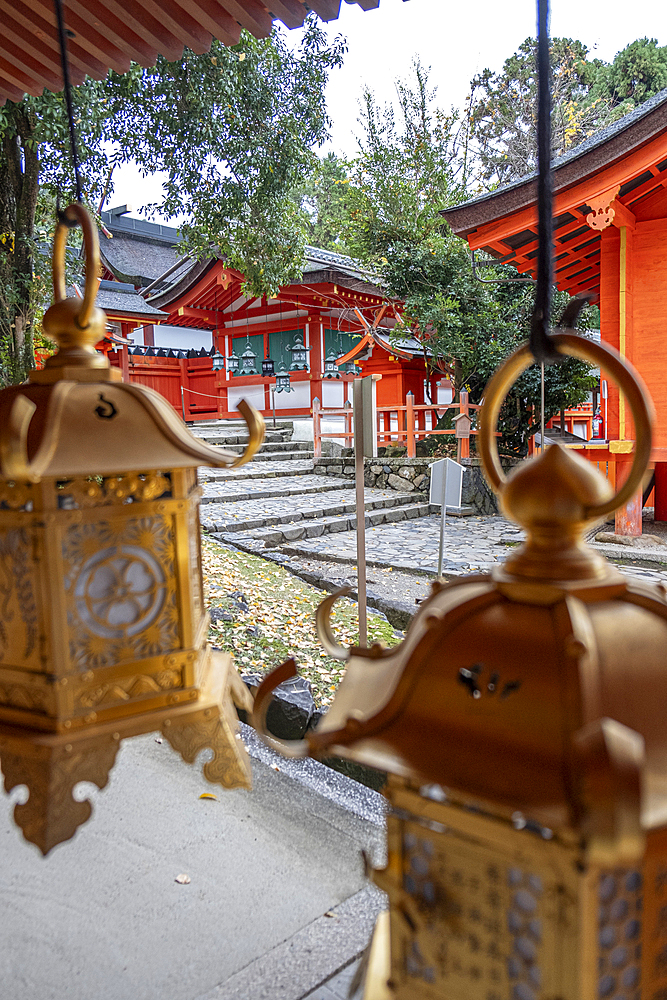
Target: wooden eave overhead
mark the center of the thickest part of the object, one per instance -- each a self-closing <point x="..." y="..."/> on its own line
<point x="109" y="34"/>
<point x="625" y="164"/>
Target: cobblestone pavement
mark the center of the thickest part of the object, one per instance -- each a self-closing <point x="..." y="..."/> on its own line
<point x="471" y="543"/>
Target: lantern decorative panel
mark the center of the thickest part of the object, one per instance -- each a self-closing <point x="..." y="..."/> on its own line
<point x="299" y="354"/>
<point x="522" y="723"/>
<point x="103" y="629"/>
<point x="283" y="380"/>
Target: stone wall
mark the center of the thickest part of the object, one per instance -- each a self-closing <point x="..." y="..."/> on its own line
<point x="407" y="475"/>
<point x="401" y="474"/>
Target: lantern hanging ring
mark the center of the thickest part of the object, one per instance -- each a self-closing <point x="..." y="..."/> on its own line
<point x="76" y="213"/>
<point x="572" y="345"/>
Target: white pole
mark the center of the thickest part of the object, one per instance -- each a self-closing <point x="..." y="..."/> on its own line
<point x="358" y="406"/>
<point x="443" y="515"/>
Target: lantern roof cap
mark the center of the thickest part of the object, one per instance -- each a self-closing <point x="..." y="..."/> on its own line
<point x="78" y="428"/>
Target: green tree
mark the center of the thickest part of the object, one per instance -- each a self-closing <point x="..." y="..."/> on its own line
<point x="502" y="109"/>
<point x="408" y="170"/>
<point x="325" y="200"/>
<point x="405" y="171"/>
<point x="233" y="130"/>
<point x="637" y="73"/>
<point x="34" y="167"/>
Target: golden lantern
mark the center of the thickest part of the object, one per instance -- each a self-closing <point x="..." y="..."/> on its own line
<point x="103" y="630"/>
<point x="522" y="721"/>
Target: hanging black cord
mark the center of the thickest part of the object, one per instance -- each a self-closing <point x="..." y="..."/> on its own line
<point x="67" y="87"/>
<point x="540" y="344"/>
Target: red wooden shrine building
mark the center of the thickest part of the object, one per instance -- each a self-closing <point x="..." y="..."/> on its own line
<point x="336" y="312"/>
<point x="610" y="233"/>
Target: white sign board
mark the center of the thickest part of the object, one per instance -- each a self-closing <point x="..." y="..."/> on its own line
<point x="446" y="475"/>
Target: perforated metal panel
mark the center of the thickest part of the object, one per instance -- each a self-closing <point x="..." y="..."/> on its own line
<point x="479" y="909"/>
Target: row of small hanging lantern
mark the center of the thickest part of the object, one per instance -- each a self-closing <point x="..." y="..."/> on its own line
<point x="245" y="365"/>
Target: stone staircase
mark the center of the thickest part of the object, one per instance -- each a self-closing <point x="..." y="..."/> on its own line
<point x="308" y="513"/>
<point x="277" y="499"/>
<point x="233" y="435"/>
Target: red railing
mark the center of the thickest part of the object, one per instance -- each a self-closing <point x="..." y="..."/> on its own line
<point x="408" y="433"/>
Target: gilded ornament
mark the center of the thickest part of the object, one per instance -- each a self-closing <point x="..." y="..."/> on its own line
<point x="521" y="721"/>
<point x="103" y="631"/>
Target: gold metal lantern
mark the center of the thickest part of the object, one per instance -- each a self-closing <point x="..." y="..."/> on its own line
<point x="523" y="725"/>
<point x="103" y="630"/>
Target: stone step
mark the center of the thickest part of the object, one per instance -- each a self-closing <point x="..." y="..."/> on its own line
<point x="235" y="426"/>
<point x="260" y="469"/>
<point x="252" y="514"/>
<point x="274" y="447"/>
<point x="228" y="492"/>
<point x="276" y="456"/>
<point x="240" y="437"/>
<point x="279" y="534"/>
<point x="282" y="456"/>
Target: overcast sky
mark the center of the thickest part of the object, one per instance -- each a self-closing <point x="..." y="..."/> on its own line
<point x="457" y="40"/>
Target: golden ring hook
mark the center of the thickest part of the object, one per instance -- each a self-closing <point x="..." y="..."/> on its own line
<point x="76" y="325"/>
<point x="76" y="213"/>
<point x="605" y="357"/>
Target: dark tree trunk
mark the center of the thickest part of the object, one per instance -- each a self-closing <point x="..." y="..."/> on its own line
<point x="19" y="188"/>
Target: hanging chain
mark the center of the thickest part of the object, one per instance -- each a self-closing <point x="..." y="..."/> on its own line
<point x="540" y="344"/>
<point x="67" y="87"/>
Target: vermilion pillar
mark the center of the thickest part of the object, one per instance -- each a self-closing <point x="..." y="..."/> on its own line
<point x="628" y="519"/>
<point x="660" y="491"/>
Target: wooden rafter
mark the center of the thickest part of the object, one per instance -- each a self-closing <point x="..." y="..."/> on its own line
<point x="110" y="33"/>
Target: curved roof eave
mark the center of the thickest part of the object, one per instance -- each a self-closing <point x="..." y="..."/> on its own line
<point x="603" y="149"/>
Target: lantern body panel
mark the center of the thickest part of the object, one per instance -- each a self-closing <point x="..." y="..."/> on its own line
<point x="103" y="635"/>
<point x="482" y="911"/>
<point x="106" y="587"/>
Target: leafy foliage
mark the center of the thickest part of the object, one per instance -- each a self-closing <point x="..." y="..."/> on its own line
<point x="405" y="171"/>
<point x="503" y="109"/>
<point x="34" y="168"/>
<point x="636" y="74"/>
<point x="408" y="170"/>
<point x="325" y="200"/>
<point x="587" y="95"/>
<point x="233" y="129"/>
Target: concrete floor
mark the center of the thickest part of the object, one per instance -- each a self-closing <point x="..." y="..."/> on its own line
<point x="102" y="917"/>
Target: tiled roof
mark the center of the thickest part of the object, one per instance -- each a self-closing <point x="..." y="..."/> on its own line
<point x="118" y="298"/>
<point x="318" y="260"/>
<point x="139" y="252"/>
